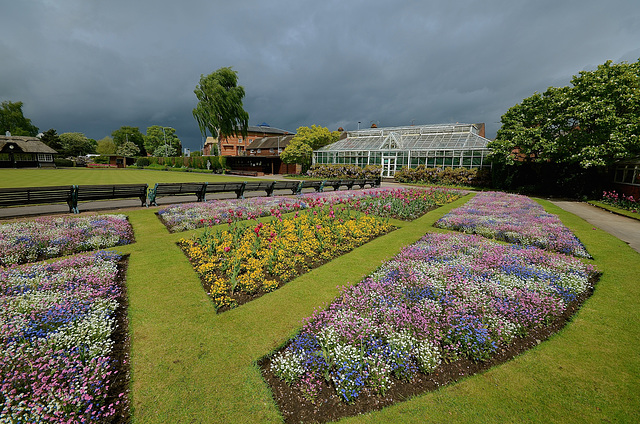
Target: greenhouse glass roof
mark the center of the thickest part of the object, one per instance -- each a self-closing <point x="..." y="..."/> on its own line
<point x="414" y="138"/>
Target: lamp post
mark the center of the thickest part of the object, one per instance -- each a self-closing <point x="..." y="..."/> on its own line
<point x="165" y="142"/>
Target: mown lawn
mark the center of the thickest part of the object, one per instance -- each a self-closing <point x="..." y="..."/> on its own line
<point x="86" y="176"/>
<point x="191" y="365"/>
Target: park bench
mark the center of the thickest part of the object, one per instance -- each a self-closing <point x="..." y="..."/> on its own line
<point x="373" y="182"/>
<point x="84" y="193"/>
<point x="227" y="187"/>
<point x="176" y="189"/>
<point x="336" y="184"/>
<point x="37" y="195"/>
<point x="294" y="186"/>
<point x="318" y="186"/>
<point x="267" y="186"/>
<point x="243" y="173"/>
<point x="359" y="183"/>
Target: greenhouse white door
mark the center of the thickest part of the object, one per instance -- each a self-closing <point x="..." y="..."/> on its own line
<point x="388" y="166"/>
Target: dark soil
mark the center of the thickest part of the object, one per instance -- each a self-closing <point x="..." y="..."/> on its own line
<point x="329" y="407"/>
<point x="119" y="382"/>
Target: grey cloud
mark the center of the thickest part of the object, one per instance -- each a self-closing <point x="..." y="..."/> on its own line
<point x="95" y="66"/>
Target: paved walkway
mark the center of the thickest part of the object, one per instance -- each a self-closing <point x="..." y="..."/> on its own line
<point x="626" y="229"/>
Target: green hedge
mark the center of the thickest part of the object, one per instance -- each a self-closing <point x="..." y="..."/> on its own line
<point x="194" y="162"/>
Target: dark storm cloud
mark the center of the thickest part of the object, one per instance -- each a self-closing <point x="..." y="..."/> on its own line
<point x="95" y="66"/>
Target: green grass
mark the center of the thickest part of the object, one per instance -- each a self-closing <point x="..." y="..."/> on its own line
<point x="190" y="365"/>
<point x="615" y="210"/>
<point x="96" y="176"/>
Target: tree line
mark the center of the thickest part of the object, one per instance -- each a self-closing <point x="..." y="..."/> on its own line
<point x="125" y="141"/>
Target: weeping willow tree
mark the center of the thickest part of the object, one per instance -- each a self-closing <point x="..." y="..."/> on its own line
<point x="219" y="110"/>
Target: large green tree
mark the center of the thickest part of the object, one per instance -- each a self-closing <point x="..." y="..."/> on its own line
<point x="591" y="123"/>
<point x="156" y="138"/>
<point x="219" y="110"/>
<point x="75" y="144"/>
<point x="306" y="140"/>
<point x="132" y="134"/>
<point x="12" y="120"/>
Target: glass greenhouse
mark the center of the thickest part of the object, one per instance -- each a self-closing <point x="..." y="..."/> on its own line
<point x="450" y="146"/>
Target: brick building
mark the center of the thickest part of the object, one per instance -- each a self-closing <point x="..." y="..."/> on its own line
<point x="237" y="145"/>
<point x="262" y="156"/>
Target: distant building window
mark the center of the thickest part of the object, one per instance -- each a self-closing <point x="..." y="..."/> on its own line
<point x="259" y="151"/>
<point x="45" y="157"/>
<point x="280" y="150"/>
<point x="253" y="151"/>
<point x="240" y="140"/>
<point x="271" y="150"/>
<point x="629" y="174"/>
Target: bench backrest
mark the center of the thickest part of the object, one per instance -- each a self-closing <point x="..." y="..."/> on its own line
<point x="117" y="191"/>
<point x="35" y="195"/>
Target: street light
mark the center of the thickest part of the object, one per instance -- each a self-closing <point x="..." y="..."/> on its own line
<point x="165" y="142"/>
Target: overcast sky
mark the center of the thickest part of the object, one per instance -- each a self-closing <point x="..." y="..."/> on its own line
<point x="92" y="66"/>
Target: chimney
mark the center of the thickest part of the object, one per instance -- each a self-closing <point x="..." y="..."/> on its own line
<point x="480" y="128"/>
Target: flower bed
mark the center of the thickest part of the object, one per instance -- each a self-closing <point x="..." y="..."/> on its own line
<point x="393" y="203"/>
<point x="621" y="201"/>
<point x="444" y="299"/>
<point x="50" y="237"/>
<point x="244" y="262"/>
<point x="56" y="336"/>
<point x="514" y="219"/>
<point x="195" y="215"/>
<point x="405" y="204"/>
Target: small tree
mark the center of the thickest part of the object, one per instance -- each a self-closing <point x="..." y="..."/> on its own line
<point x="52" y="139"/>
<point x="219" y="108"/>
<point x="132" y="134"/>
<point x="159" y="136"/>
<point x="297" y="152"/>
<point x="163" y="150"/>
<point x="106" y="146"/>
<point x="305" y="142"/>
<point x="128" y="149"/>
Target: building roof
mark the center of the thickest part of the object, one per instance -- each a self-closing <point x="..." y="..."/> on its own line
<point x="415" y="138"/>
<point x="251" y="130"/>
<point x="267" y="130"/>
<point x="26" y="144"/>
<point x="270" y="142"/>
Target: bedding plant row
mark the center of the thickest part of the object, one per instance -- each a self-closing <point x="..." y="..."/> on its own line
<point x="57" y="341"/>
<point x="446" y="298"/>
<point x="514" y="219"/>
<point x="243" y="262"/>
<point x="37" y="239"/>
<point x="393" y="203"/>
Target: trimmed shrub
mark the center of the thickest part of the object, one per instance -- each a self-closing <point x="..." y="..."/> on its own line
<point x="142" y="162"/>
<point x="61" y="163"/>
<point x="479" y="177"/>
<point x="329" y="172"/>
<point x="101" y="159"/>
